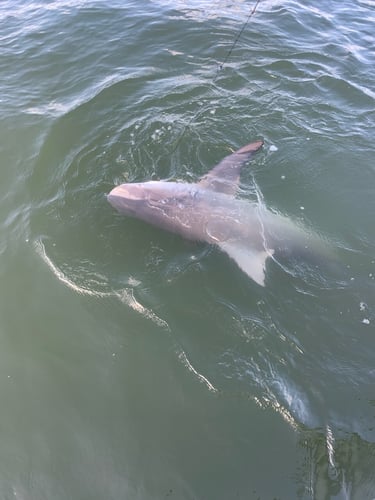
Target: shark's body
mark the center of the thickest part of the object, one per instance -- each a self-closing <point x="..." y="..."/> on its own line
<point x="208" y="211"/>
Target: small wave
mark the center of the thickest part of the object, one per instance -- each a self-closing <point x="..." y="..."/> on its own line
<point x="41" y="251"/>
<point x="126" y="296"/>
<point x="185" y="361"/>
<point x="56" y="108"/>
<point x="30" y="8"/>
<point x="201" y="10"/>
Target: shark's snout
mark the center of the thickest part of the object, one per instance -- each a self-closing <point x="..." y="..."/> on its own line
<point x="123" y="197"/>
<point x="126" y="192"/>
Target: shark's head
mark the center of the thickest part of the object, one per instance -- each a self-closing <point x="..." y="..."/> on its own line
<point x="128" y="199"/>
<point x="164" y="204"/>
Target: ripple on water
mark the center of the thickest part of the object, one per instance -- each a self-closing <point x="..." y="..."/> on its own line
<point x="165" y="114"/>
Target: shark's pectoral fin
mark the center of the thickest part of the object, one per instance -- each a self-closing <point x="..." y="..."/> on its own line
<point x="252" y="262"/>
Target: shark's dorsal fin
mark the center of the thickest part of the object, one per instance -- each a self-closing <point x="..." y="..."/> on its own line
<point x="251" y="261"/>
<point x="225" y="176"/>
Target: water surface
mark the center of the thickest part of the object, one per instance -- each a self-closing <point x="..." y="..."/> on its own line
<point x="138" y="365"/>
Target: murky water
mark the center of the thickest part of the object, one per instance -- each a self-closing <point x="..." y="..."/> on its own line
<point x="134" y="364"/>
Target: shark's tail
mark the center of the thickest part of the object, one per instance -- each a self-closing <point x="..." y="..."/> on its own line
<point x="297" y="248"/>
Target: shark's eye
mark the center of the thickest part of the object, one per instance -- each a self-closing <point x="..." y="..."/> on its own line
<point x="158" y="201"/>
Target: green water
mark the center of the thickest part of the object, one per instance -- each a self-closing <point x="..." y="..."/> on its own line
<point x="134" y="364"/>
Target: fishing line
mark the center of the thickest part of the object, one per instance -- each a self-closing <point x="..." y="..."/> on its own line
<point x="229" y="53"/>
<point x="220" y="67"/>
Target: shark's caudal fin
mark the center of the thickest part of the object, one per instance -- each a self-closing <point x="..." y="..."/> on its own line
<point x="252" y="262"/>
<point x="225" y="177"/>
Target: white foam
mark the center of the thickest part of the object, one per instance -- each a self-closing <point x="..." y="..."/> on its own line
<point x="182" y="356"/>
<point x="125" y="296"/>
<point x="41" y="251"/>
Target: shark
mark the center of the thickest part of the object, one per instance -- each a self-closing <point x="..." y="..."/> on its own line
<point x="209" y="211"/>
